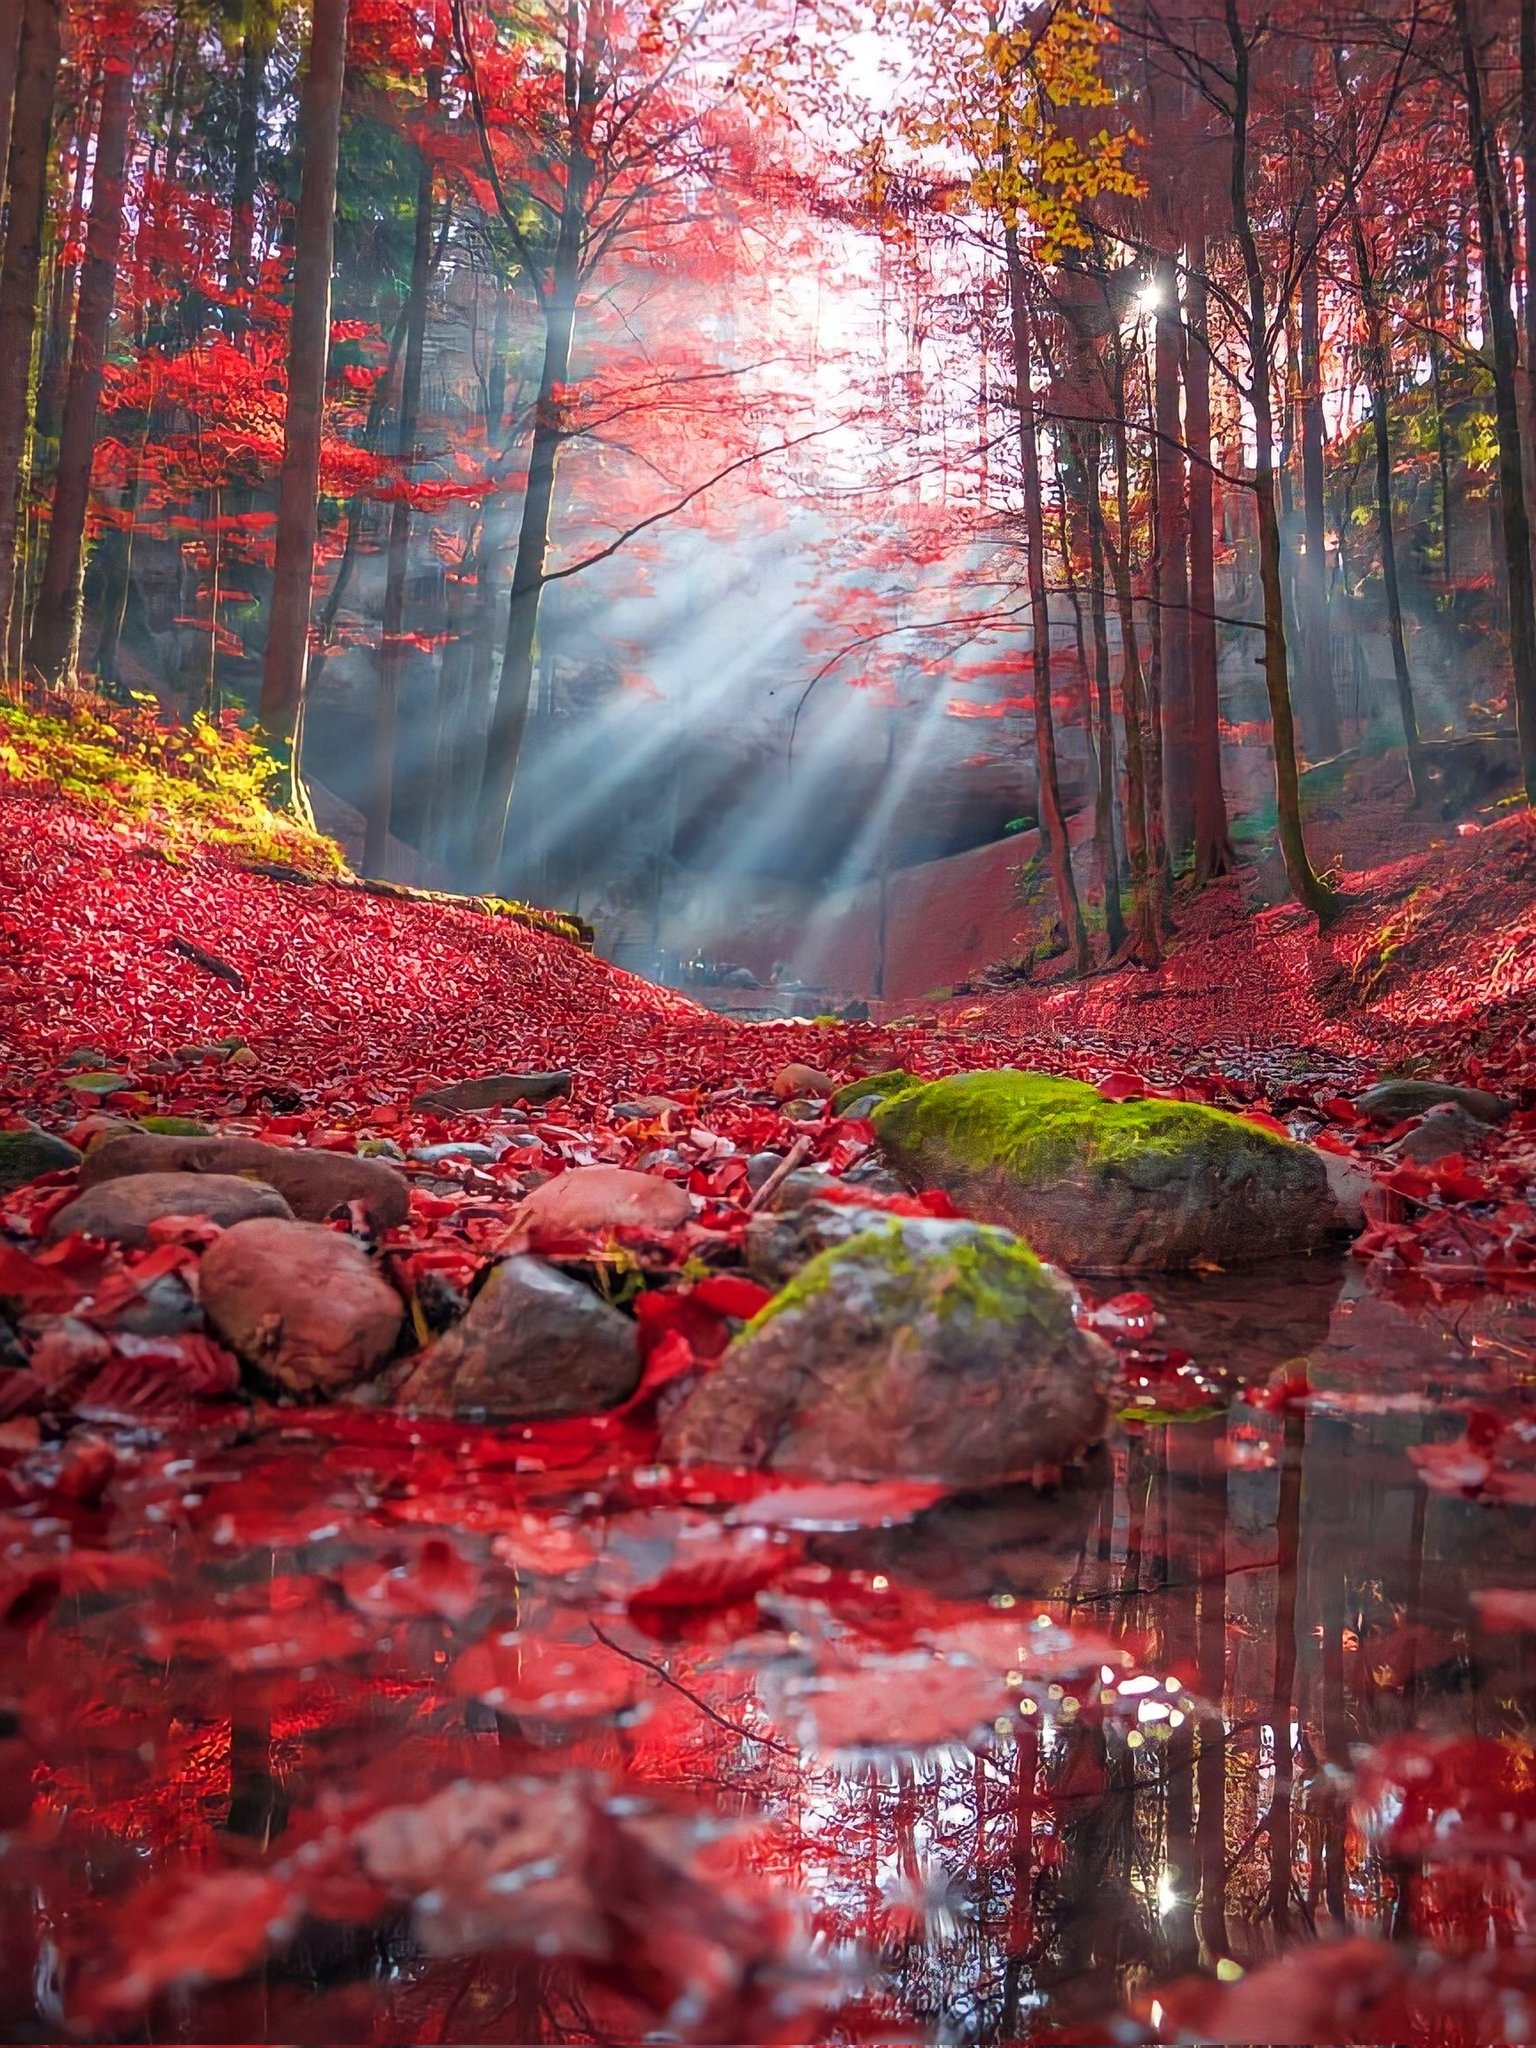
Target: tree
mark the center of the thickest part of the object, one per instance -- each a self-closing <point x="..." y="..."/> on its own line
<point x="287" y="648"/>
<point x="37" y="70"/>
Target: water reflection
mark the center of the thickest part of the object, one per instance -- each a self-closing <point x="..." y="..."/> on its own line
<point x="1275" y="1591"/>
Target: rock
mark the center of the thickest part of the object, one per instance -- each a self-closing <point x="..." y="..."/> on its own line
<point x="312" y="1182"/>
<point x="1444" y="1130"/>
<point x="602" y="1197"/>
<point x="856" y="1012"/>
<point x="876" y="1086"/>
<point x="534" y="1344"/>
<point x="167" y="1307"/>
<point x="493" y="1091"/>
<point x="873" y="1178"/>
<point x="777" y="1246"/>
<point x="464" y="1153"/>
<point x="1116" y="1187"/>
<point x="805" y="1184"/>
<point x="1393" y="1101"/>
<point x="301" y="1304"/>
<point x="799" y="1080"/>
<point x="761" y="1167"/>
<point x="647" y="1108"/>
<point x="173" y="1126"/>
<point x="29" y="1154"/>
<point x="379" y="1148"/>
<point x="924" y="1350"/>
<point x="86" y="1056"/>
<point x="99" y="1084"/>
<point x="121" y="1211"/>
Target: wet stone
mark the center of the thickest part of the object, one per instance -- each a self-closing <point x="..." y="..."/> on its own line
<point x="121" y="1211"/>
<point x="777" y="1245"/>
<point x="304" y="1306"/>
<point x="494" y="1091"/>
<point x="761" y="1167"/>
<point x="1392" y="1101"/>
<point x="314" y="1183"/>
<point x="917" y="1349"/>
<point x="27" y="1155"/>
<point x="1443" y="1131"/>
<point x="462" y="1154"/>
<point x="535" y="1344"/>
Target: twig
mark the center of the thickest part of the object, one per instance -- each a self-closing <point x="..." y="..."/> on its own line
<point x="797" y="1155"/>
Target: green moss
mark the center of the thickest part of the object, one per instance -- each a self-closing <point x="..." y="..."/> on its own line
<point x="988" y="1277"/>
<point x="1043" y="1128"/>
<point x="886" y="1086"/>
<point x="174" y="1126"/>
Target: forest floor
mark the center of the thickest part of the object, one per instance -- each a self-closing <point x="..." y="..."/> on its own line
<point x="251" y="1725"/>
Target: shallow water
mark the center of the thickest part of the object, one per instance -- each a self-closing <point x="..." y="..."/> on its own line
<point x="1169" y="1774"/>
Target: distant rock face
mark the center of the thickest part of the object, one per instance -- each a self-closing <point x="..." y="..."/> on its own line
<point x="535" y="1344"/>
<point x="916" y="1349"/>
<point x="314" y="1183"/>
<point x="303" y="1305"/>
<point x="1115" y="1187"/>
<point x="1394" y="1101"/>
<point x="121" y="1211"/>
<point x="28" y="1155"/>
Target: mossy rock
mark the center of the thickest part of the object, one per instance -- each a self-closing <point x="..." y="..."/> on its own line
<point x="1115" y="1187"/>
<point x="885" y="1086"/>
<point x="173" y="1126"/>
<point x="28" y="1154"/>
<point x="917" y="1349"/>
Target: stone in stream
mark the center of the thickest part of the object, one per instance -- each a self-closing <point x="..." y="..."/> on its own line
<point x="1117" y="1187"/>
<point x="1443" y="1131"/>
<point x="917" y="1349"/>
<point x="1393" y="1101"/>
<point x="121" y="1211"/>
<point x="28" y="1154"/>
<point x="314" y="1183"/>
<point x="493" y="1091"/>
<point x="778" y="1244"/>
<point x="303" y="1305"/>
<point x="534" y="1345"/>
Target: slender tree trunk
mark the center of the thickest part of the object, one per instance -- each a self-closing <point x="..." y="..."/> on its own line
<point x="287" y="650"/>
<point x="1142" y="848"/>
<point x="27" y="182"/>
<point x="53" y="365"/>
<point x="509" y="720"/>
<point x="1090" y="456"/>
<point x="242" y="195"/>
<point x="1213" y="845"/>
<point x="1317" y="691"/>
<point x="1052" y="817"/>
<point x="55" y="644"/>
<point x="1378" y="370"/>
<point x="10" y="40"/>
<point x="1506" y="353"/>
<point x="1172" y="570"/>
<point x="386" y="717"/>
<point x="1307" y="885"/>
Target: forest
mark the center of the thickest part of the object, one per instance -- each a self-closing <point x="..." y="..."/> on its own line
<point x="768" y="1021"/>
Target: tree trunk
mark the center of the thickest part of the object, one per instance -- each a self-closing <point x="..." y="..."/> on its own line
<point x="1141" y="845"/>
<point x="1052" y="817"/>
<point x="1172" y="570"/>
<point x="1307" y="885"/>
<point x="10" y="39"/>
<point x="254" y="53"/>
<point x="509" y="720"/>
<point x="1213" y="845"/>
<point x="37" y="70"/>
<point x="1377" y="366"/>
<point x="1090" y="461"/>
<point x="1506" y="353"/>
<point x="55" y="645"/>
<point x="287" y="650"/>
<point x="386" y="717"/>
<point x="1317" y="691"/>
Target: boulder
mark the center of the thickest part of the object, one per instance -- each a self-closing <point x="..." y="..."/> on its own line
<point x="874" y="1088"/>
<point x="314" y="1183"/>
<point x="29" y="1154"/>
<point x="599" y="1198"/>
<point x="121" y="1211"/>
<point x="302" y="1305"/>
<point x="1117" y="1187"/>
<point x="493" y="1091"/>
<point x="918" y="1349"/>
<point x="534" y="1344"/>
<point x="797" y="1080"/>
<point x="778" y="1245"/>
<point x="1393" y="1101"/>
